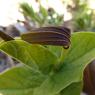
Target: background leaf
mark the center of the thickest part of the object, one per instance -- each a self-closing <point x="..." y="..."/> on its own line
<point x="28" y="10"/>
<point x="43" y="11"/>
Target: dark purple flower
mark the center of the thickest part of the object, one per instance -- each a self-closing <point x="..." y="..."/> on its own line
<point x="59" y="36"/>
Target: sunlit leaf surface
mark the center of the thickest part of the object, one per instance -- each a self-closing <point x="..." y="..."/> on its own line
<point x="39" y="58"/>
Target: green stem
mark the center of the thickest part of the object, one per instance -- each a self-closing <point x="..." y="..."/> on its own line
<point x="61" y="59"/>
<point x="63" y="55"/>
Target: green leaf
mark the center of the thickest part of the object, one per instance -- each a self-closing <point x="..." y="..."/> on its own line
<point x="82" y="52"/>
<point x="43" y="11"/>
<point x="56" y="50"/>
<point x="20" y="81"/>
<point x="73" y="89"/>
<point x="29" y="11"/>
<point x="60" y="52"/>
<point x="35" y="56"/>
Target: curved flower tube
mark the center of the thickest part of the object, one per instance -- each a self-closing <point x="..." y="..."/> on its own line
<point x="59" y="36"/>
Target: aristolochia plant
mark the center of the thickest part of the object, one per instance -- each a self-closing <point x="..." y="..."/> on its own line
<point x="55" y="67"/>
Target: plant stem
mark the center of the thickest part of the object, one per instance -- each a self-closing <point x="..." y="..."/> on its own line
<point x="61" y="59"/>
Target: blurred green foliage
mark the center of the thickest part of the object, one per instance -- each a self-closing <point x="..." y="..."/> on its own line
<point x="44" y="17"/>
<point x="82" y="15"/>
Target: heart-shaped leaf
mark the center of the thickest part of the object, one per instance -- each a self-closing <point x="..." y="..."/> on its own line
<point x="20" y="81"/>
<point x="81" y="52"/>
<point x="35" y="56"/>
